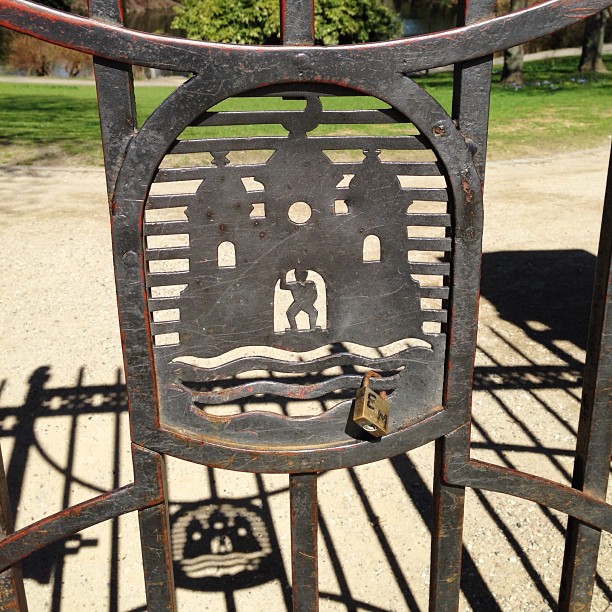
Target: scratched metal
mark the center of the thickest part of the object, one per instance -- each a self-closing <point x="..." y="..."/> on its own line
<point x="335" y="239"/>
<point x="287" y="277"/>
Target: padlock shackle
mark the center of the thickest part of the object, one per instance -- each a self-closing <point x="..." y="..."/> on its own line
<point x="366" y="381"/>
<point x="366" y="378"/>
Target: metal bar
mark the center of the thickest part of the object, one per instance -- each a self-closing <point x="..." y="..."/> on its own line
<point x="446" y="531"/>
<point x="170" y="175"/>
<point x="482" y="475"/>
<point x="594" y="430"/>
<point x="434" y="315"/>
<point x="115" y="89"/>
<point x="157" y="558"/>
<point x="304" y="555"/>
<point x="429" y="219"/>
<point x="12" y="594"/>
<point x="155" y="537"/>
<point x="411" y="54"/>
<point x="471" y="90"/>
<point x="427" y="194"/>
<point x="297" y="22"/>
<point x="430" y="244"/>
<point x="380" y="116"/>
<point x="440" y="293"/>
<point x="472" y="85"/>
<point x="434" y="268"/>
<point x="50" y="529"/>
<point x="200" y="145"/>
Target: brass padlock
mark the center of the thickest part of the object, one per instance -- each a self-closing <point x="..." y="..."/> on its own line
<point x="371" y="411"/>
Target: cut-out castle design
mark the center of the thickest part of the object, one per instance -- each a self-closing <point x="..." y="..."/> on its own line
<point x="344" y="279"/>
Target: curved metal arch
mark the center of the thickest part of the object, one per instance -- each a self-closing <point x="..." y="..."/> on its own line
<point x="142" y="159"/>
<point x="405" y="55"/>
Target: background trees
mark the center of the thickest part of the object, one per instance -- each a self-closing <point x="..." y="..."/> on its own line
<point x="592" y="43"/>
<point x="591" y="59"/>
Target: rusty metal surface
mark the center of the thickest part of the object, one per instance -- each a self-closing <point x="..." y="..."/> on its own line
<point x="591" y="469"/>
<point x="287" y="277"/>
<point x="304" y="551"/>
<point x="12" y="594"/>
<point x="406" y="55"/>
<point x="221" y="310"/>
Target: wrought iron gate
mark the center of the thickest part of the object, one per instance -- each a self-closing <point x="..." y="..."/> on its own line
<point x="292" y="276"/>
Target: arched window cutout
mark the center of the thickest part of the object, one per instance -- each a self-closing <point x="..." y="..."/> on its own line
<point x="226" y="255"/>
<point x="371" y="248"/>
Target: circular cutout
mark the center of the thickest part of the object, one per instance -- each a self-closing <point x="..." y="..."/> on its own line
<point x="299" y="212"/>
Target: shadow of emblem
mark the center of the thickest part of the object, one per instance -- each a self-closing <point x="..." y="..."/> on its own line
<point x="220" y="545"/>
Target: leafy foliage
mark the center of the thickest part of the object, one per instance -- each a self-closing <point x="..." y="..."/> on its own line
<point x="258" y="21"/>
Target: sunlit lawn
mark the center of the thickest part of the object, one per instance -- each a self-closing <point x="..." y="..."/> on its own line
<point x="557" y="110"/>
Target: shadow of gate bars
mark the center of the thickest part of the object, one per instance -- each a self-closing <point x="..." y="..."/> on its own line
<point x="292" y="277"/>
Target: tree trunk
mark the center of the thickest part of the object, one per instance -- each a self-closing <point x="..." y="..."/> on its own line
<point x="512" y="72"/>
<point x="592" y="43"/>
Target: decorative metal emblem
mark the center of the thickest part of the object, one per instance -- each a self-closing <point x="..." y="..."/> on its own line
<point x="282" y="266"/>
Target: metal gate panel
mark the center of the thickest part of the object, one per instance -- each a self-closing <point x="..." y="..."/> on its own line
<point x="302" y="266"/>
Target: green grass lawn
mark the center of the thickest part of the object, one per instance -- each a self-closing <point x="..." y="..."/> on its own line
<point x="557" y="110"/>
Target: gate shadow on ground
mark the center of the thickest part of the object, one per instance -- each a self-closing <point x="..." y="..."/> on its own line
<point x="544" y="293"/>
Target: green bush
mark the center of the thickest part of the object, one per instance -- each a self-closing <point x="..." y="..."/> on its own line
<point x="258" y="21"/>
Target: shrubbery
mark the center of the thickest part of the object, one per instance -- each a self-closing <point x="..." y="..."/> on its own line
<point x="258" y="21"/>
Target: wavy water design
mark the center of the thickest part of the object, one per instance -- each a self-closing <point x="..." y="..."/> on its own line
<point x="191" y="377"/>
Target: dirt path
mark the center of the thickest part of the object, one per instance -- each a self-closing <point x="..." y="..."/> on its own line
<point x="58" y="313"/>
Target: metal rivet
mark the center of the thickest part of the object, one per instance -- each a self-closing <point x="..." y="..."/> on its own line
<point x="130" y="259"/>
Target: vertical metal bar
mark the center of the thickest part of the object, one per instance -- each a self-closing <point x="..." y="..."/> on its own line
<point x="115" y="88"/>
<point x="12" y="594"/>
<point x="155" y="534"/>
<point x="472" y="86"/>
<point x="594" y="430"/>
<point x="304" y="554"/>
<point x="297" y="22"/>
<point x="156" y="558"/>
<point x="471" y="92"/>
<point x="447" y="526"/>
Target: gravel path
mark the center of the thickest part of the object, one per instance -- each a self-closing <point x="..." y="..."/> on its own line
<point x="61" y="349"/>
